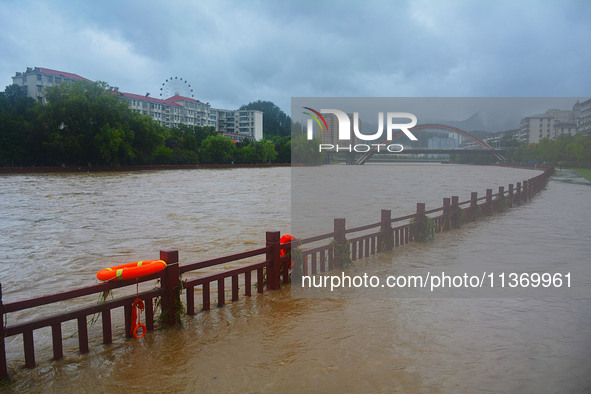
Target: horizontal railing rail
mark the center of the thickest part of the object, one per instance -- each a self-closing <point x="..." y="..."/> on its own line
<point x="20" y="328"/>
<point x="316" y="238"/>
<point x="222" y="260"/>
<point x="75" y="293"/>
<point x="363" y="228"/>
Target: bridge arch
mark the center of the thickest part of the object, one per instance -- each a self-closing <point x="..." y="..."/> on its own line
<point x="363" y="159"/>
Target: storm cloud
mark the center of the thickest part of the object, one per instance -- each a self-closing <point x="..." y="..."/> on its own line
<point x="234" y="52"/>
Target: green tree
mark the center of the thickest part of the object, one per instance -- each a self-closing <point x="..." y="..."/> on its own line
<point x="148" y="138"/>
<point x="246" y="155"/>
<point x="18" y="114"/>
<point x="87" y="122"/>
<point x="251" y="152"/>
<point x="275" y="121"/>
<point x="184" y="142"/>
<point x="508" y="140"/>
<point x="114" y="144"/>
<point x="566" y="150"/>
<point x="265" y="151"/>
<point x="283" y="148"/>
<point x="304" y="151"/>
<point x="269" y="153"/>
<point x="81" y="117"/>
<point x="217" y="149"/>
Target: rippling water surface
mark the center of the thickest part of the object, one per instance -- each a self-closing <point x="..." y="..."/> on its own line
<point x="59" y="229"/>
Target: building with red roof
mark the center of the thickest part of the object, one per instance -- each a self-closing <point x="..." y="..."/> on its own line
<point x="177" y="110"/>
<point x="34" y="80"/>
<point x="170" y="112"/>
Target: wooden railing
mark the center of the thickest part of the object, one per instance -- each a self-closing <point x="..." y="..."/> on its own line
<point x="415" y="227"/>
<point x="271" y="271"/>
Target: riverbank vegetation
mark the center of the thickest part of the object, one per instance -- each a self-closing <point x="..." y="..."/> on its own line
<point x="87" y="123"/>
<point x="584" y="172"/>
<point x="565" y="151"/>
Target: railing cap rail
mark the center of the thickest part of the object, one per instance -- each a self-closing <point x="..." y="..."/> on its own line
<point x="75" y="293"/>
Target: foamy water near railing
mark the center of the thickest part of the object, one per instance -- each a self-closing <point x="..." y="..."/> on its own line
<point x="271" y="271"/>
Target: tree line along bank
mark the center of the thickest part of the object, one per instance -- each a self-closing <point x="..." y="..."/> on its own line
<point x="82" y="124"/>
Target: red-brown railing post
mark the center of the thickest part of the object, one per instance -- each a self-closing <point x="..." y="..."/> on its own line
<point x="3" y="369"/>
<point x="474" y="205"/>
<point x="106" y="321"/>
<point x="385" y="242"/>
<point x="446" y="214"/>
<point x="273" y="256"/>
<point x="510" y="198"/>
<point x="518" y="194"/>
<point x="339" y="241"/>
<point x="171" y="287"/>
<point x="525" y="191"/>
<point x="83" y="335"/>
<point x="488" y="201"/>
<point x="421" y="231"/>
<point x="29" y="348"/>
<point x="127" y="317"/>
<point x="501" y="197"/>
<point x="455" y="212"/>
<point x="56" y="337"/>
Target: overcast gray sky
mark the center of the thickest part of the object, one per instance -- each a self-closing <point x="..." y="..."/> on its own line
<point x="234" y="52"/>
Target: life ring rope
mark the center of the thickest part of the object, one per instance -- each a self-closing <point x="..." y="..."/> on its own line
<point x="136" y="310"/>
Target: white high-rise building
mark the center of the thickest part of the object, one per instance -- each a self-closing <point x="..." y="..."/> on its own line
<point x="551" y="125"/>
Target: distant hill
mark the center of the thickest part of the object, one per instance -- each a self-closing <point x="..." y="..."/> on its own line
<point x="481" y="122"/>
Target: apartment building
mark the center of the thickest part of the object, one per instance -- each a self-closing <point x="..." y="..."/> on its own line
<point x="34" y="81"/>
<point x="584" y="118"/>
<point x="554" y="123"/>
<point x="238" y="125"/>
<point x="170" y="112"/>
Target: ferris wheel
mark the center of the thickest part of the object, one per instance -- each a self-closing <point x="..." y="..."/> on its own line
<point x="174" y="86"/>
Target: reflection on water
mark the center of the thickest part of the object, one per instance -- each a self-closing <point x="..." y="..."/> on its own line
<point x="276" y="343"/>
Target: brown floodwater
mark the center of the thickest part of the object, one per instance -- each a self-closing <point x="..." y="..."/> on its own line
<point x="57" y="230"/>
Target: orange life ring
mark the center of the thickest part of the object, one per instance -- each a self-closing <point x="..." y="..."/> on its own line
<point x="285" y="239"/>
<point x="131" y="270"/>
